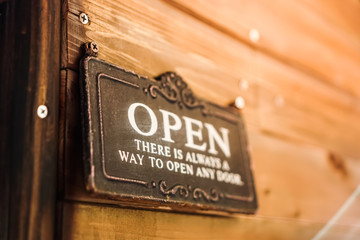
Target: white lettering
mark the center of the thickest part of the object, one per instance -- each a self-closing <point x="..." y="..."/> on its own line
<point x="156" y="162"/>
<point x="152" y="148"/>
<point x="140" y="157"/>
<point x="178" y="153"/>
<point x="232" y="178"/>
<point x="215" y="137"/>
<point x="182" y="168"/>
<point x="205" y="172"/>
<point x="132" y="159"/>
<point x="218" y="138"/>
<point x="131" y="116"/>
<point x="191" y="133"/>
<point x="137" y="144"/>
<point x="167" y="126"/>
<point x="201" y="159"/>
<point x="123" y="155"/>
<point x="225" y="166"/>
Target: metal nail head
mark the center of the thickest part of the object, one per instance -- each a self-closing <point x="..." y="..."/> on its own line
<point x="243" y="84"/>
<point x="42" y="111"/>
<point x="279" y="101"/>
<point x="239" y="102"/>
<point x="254" y="35"/>
<point x="83" y="18"/>
<point x="94" y="47"/>
<point x="91" y="48"/>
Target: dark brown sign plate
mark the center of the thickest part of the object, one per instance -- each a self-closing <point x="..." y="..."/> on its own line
<point x="154" y="142"/>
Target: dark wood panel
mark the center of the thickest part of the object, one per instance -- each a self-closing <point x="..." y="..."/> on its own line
<point x="5" y="110"/>
<point x="29" y="78"/>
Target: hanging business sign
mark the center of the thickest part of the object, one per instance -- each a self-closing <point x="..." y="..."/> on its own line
<point x="153" y="141"/>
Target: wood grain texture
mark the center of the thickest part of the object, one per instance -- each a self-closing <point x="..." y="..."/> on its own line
<point x="84" y="221"/>
<point x="321" y="38"/>
<point x="29" y="77"/>
<point x="300" y="181"/>
<point x="5" y="94"/>
<point x="149" y="39"/>
<point x="302" y="112"/>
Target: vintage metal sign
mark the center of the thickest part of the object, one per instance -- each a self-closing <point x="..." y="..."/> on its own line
<point x="154" y="142"/>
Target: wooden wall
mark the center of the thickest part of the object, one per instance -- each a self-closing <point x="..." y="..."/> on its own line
<point x="299" y="81"/>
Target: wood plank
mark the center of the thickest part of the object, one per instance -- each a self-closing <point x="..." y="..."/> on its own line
<point x="72" y="183"/>
<point x="300" y="181"/>
<point x="293" y="105"/>
<point x="149" y="39"/>
<point x="30" y="66"/>
<point x="5" y="107"/>
<point x="62" y="131"/>
<point x="292" y="31"/>
<point x="84" y="221"/>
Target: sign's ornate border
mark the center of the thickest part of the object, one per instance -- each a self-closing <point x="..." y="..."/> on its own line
<point x="172" y="88"/>
<point x="175" y="90"/>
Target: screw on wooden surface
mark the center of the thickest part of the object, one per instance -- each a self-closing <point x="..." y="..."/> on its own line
<point x="243" y="84"/>
<point x="239" y="102"/>
<point x="42" y="111"/>
<point x="94" y="47"/>
<point x="254" y="35"/>
<point x="83" y="18"/>
<point x="91" y="48"/>
<point x="279" y="101"/>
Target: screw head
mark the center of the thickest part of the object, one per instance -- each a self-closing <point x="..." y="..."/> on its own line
<point x="239" y="102"/>
<point x="91" y="48"/>
<point x="42" y="111"/>
<point x="254" y="35"/>
<point x="94" y="47"/>
<point x="279" y="101"/>
<point x="83" y="18"/>
<point x="243" y="84"/>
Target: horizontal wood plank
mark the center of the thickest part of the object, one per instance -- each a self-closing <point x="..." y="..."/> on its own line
<point x="150" y="39"/>
<point x="319" y="37"/>
<point x="84" y="221"/>
<point x="300" y="181"/>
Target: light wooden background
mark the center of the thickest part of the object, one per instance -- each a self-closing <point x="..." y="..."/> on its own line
<point x="300" y="82"/>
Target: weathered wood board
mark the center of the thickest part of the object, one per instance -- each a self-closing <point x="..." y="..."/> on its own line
<point x="29" y="94"/>
<point x="130" y="33"/>
<point x="318" y="37"/>
<point x="105" y="222"/>
<point x="302" y="111"/>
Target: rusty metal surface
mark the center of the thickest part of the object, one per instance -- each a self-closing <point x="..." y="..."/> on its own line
<point x="135" y="160"/>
